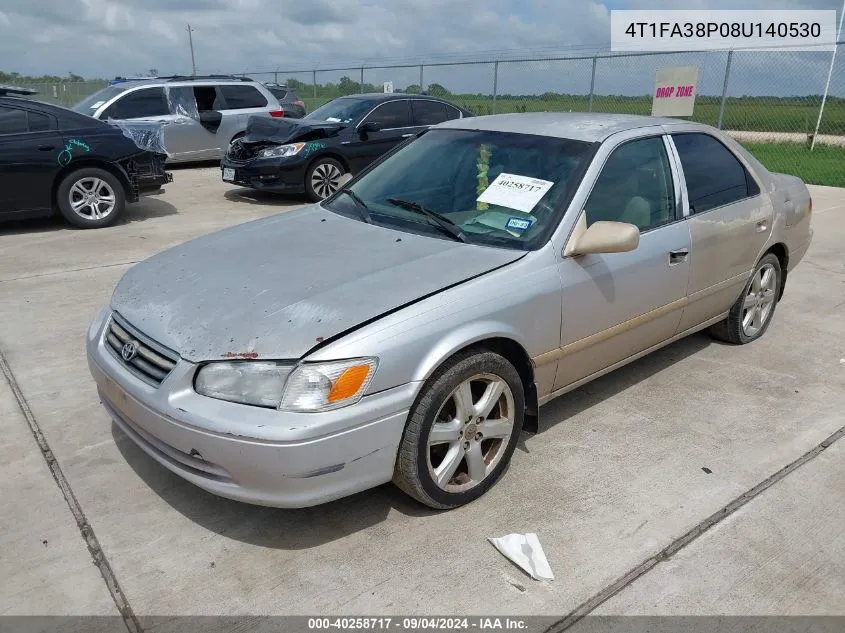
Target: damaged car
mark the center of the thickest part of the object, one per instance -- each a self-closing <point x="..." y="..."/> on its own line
<point x="312" y="154"/>
<point x="52" y="158"/>
<point x="409" y="328"/>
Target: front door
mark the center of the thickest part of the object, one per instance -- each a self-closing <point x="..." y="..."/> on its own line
<point x="30" y="150"/>
<point x="393" y="120"/>
<point x="617" y="305"/>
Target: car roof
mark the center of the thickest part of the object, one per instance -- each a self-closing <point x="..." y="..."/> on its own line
<point x="387" y="96"/>
<point x="199" y="81"/>
<point x="578" y="126"/>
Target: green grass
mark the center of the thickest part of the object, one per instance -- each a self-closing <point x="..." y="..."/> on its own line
<point x="825" y="165"/>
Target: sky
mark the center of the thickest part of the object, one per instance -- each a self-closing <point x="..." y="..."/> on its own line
<point x="105" y="38"/>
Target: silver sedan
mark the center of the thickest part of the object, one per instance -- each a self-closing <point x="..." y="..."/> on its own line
<point x="409" y="328"/>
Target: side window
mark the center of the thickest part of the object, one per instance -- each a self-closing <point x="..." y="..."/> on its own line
<point x="428" y="112"/>
<point x="12" y="120"/>
<point x="209" y="98"/>
<point x="452" y="113"/>
<point x="147" y="102"/>
<point x="635" y="186"/>
<point x="242" y="97"/>
<point x="40" y="122"/>
<point x="392" y="114"/>
<point x="714" y="176"/>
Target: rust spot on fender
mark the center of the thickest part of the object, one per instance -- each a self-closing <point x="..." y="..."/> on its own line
<point x="240" y="355"/>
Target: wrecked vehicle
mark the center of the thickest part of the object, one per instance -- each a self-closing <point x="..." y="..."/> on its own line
<point x="409" y="327"/>
<point x="310" y="155"/>
<point x="53" y="158"/>
<point x="203" y="113"/>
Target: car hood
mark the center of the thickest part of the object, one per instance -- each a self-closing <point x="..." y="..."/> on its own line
<point x="272" y="130"/>
<point x="279" y="286"/>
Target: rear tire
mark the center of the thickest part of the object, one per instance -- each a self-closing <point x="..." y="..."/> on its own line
<point x="462" y="431"/>
<point x="323" y="178"/>
<point x="752" y="313"/>
<point x="91" y="198"/>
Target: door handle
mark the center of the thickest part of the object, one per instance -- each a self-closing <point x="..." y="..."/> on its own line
<point x="678" y="256"/>
<point x="762" y="225"/>
<point x="46" y="148"/>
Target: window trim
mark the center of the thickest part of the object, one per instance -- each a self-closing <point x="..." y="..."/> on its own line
<point x="388" y="129"/>
<point x="676" y="182"/>
<point x="748" y="173"/>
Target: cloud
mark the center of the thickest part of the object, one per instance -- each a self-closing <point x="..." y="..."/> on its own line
<point x="104" y="38"/>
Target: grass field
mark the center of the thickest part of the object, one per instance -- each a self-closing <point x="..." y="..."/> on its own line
<point x="825" y="165"/>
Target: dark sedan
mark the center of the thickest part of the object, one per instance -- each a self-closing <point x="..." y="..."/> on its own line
<point x="52" y="157"/>
<point x="312" y="154"/>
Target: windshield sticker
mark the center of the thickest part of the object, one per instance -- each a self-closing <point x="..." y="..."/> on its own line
<point x="515" y="192"/>
<point x="333" y="119"/>
<point x="66" y="155"/>
<point x="483" y="166"/>
<point x="518" y="224"/>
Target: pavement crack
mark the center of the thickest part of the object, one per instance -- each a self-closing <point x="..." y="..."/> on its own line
<point x="71" y="270"/>
<point x="85" y="529"/>
<point x="621" y="583"/>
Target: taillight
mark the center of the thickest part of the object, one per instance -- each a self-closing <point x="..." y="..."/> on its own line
<point x="277" y="113"/>
<point x="299" y="103"/>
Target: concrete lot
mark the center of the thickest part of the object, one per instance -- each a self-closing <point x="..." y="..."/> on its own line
<point x="615" y="476"/>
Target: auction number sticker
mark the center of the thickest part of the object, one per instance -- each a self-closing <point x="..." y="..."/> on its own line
<point x="515" y="192"/>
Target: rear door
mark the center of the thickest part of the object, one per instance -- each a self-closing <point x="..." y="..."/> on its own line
<point x="393" y="119"/>
<point x="29" y="159"/>
<point x="729" y="219"/>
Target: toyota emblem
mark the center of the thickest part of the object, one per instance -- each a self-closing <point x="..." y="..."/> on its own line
<point x="129" y="351"/>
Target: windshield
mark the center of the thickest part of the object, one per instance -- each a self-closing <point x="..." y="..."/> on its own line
<point x="500" y="189"/>
<point x="90" y="104"/>
<point x="341" y="111"/>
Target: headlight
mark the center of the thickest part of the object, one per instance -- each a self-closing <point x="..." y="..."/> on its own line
<point x="325" y="386"/>
<point x="247" y="382"/>
<point x="280" y="151"/>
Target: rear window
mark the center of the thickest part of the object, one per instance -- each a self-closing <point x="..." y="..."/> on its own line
<point x="242" y="97"/>
<point x="279" y="93"/>
<point x="39" y="122"/>
<point x="428" y="112"/>
<point x="12" y="120"/>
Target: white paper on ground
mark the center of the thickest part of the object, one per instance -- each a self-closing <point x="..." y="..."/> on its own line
<point x="525" y="550"/>
<point x="515" y="192"/>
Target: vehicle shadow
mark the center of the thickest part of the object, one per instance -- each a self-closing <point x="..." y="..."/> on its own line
<point x="310" y="527"/>
<point x="264" y="198"/>
<point x="147" y="208"/>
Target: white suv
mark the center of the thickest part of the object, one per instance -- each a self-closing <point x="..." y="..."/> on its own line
<point x="203" y="114"/>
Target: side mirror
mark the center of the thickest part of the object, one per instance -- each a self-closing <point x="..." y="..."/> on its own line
<point x="369" y="126"/>
<point x="607" y="237"/>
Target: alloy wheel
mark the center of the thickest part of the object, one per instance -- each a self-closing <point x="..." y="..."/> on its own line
<point x="92" y="198"/>
<point x="760" y="300"/>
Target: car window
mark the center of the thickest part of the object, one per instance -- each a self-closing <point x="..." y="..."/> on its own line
<point x="279" y="93"/>
<point x="209" y="98"/>
<point x="91" y="103"/>
<point x="39" y="122"/>
<point x="242" y="97"/>
<point x="428" y="112"/>
<point x="714" y="176"/>
<point x="12" y="120"/>
<point x="143" y="103"/>
<point x="634" y="186"/>
<point x="392" y="114"/>
<point x="452" y="113"/>
<point x="502" y="189"/>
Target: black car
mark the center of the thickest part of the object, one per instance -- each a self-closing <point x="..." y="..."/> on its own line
<point x="311" y="155"/>
<point x="52" y="157"/>
<point x="292" y="105"/>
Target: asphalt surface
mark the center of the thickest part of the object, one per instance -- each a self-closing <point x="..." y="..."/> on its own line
<point x="625" y="485"/>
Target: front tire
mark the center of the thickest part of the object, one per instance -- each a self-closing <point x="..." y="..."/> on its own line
<point x="91" y="198"/>
<point x="462" y="431"/>
<point x="752" y="313"/>
<point x="323" y="178"/>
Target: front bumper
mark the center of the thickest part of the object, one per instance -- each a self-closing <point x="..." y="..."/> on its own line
<point x="250" y="454"/>
<point x="269" y="174"/>
<point x="146" y="175"/>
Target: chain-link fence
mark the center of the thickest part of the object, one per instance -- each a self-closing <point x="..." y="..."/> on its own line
<point x="769" y="100"/>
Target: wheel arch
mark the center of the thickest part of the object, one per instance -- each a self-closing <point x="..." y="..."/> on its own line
<point x="780" y="251"/>
<point x="84" y="163"/>
<point x="328" y="154"/>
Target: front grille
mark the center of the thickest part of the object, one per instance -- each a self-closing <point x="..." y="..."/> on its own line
<point x="142" y="356"/>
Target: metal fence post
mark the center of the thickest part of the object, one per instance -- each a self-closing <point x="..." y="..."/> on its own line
<point x="495" y="84"/>
<point x="725" y="89"/>
<point x="276" y="77"/>
<point x="362" y="80"/>
<point x="592" y="84"/>
<point x="829" y="75"/>
<point x="422" y="89"/>
<point x="314" y="81"/>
